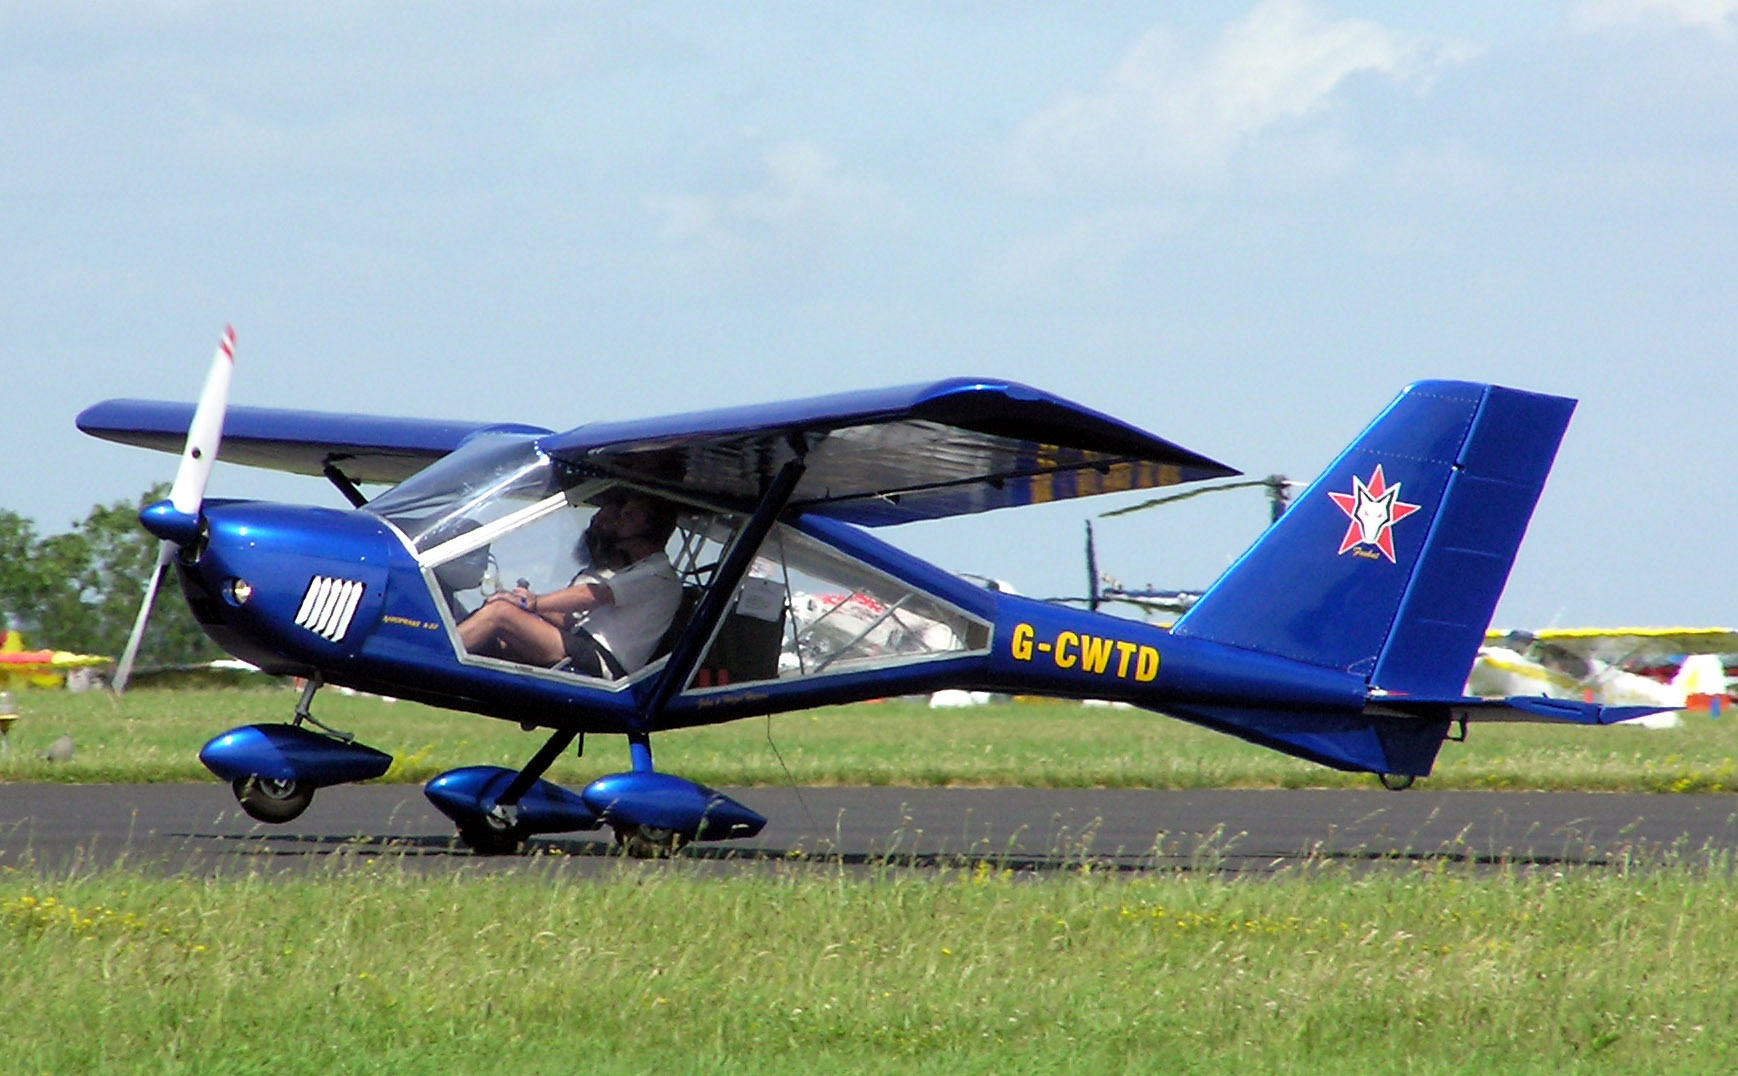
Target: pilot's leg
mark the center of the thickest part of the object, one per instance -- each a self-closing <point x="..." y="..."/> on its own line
<point x="503" y="630"/>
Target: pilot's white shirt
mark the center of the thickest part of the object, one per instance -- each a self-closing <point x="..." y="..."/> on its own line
<point x="647" y="594"/>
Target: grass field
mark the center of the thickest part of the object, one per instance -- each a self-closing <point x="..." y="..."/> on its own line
<point x="366" y="966"/>
<point x="155" y="736"/>
<point x="657" y="968"/>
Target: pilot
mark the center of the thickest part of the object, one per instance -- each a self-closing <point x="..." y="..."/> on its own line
<point x="609" y="619"/>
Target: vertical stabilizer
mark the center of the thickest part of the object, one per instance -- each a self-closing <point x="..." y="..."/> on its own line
<point x="1391" y="563"/>
<point x="1701" y="674"/>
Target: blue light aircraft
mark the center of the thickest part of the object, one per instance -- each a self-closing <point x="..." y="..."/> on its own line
<point x="1343" y="636"/>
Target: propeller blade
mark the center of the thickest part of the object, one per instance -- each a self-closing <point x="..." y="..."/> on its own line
<point x="204" y="434"/>
<point x="124" y="670"/>
<point x="206" y="431"/>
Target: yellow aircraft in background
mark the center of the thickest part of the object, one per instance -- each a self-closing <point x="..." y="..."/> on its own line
<point x="41" y="668"/>
<point x="1599" y="665"/>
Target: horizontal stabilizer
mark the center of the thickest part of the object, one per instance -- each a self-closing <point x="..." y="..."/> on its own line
<point x="1539" y="709"/>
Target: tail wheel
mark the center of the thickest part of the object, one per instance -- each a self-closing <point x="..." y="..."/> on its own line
<point x="1396" y="782"/>
<point x="271" y="800"/>
<point x="649" y="842"/>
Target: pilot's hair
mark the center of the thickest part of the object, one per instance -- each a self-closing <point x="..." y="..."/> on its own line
<point x="661" y="516"/>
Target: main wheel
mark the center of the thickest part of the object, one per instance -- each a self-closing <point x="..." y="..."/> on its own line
<point x="271" y="800"/>
<point x="1396" y="782"/>
<point x="649" y="842"/>
<point x="491" y="837"/>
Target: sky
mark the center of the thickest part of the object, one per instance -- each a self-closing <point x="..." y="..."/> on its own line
<point x="1243" y="227"/>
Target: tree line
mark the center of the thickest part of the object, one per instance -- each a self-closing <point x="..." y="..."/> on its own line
<point x="80" y="590"/>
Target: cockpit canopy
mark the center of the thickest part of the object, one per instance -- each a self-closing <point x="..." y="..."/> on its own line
<point x="499" y="514"/>
<point x="488" y="477"/>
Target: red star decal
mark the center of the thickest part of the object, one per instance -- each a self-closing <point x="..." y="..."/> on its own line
<point x="1373" y="509"/>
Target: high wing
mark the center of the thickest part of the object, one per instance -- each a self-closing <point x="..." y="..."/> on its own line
<point x="365" y="448"/>
<point x="874" y="457"/>
<point x="894" y="455"/>
<point x="1614" y="645"/>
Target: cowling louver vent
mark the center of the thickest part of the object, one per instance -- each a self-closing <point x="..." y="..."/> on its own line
<point x="328" y="606"/>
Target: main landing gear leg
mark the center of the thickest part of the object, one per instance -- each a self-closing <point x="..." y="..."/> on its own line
<point x="304" y="713"/>
<point x="498" y="833"/>
<point x="642" y="841"/>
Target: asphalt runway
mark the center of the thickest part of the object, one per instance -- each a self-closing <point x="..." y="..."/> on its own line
<point x="198" y="829"/>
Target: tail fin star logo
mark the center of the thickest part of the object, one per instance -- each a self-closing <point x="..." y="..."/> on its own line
<point x="1372" y="508"/>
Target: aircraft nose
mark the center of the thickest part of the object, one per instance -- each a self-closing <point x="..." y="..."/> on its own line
<point x="293" y="581"/>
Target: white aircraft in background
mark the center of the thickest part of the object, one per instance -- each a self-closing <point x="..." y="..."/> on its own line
<point x="1589" y="664"/>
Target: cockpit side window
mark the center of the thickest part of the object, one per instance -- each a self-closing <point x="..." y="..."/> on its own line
<point x="808" y="609"/>
<point x="527" y="578"/>
<point x="591" y="582"/>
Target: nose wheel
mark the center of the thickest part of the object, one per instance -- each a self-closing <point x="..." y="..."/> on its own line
<point x="271" y="800"/>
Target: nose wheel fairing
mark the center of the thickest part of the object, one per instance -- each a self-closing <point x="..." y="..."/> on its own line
<point x="291" y="753"/>
<point x="274" y="769"/>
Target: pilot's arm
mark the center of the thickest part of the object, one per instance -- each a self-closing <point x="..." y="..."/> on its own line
<point x="557" y="604"/>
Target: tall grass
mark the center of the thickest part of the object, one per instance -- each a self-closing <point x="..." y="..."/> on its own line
<point x="664" y="968"/>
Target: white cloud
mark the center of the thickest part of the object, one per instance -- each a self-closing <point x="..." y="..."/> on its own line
<point x="802" y="196"/>
<point x="1169" y="112"/>
<point x="1714" y="16"/>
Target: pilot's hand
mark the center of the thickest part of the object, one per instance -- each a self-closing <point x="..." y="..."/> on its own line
<point x="520" y="596"/>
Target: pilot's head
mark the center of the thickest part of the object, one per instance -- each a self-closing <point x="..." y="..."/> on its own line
<point x="628" y="526"/>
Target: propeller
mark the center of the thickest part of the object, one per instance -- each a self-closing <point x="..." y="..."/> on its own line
<point x="177" y="520"/>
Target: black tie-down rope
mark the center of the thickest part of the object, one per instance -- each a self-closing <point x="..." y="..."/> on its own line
<point x="791" y="780"/>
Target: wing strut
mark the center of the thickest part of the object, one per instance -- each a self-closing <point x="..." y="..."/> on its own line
<point x="715" y="603"/>
<point x="690" y="648"/>
<point x="348" y="488"/>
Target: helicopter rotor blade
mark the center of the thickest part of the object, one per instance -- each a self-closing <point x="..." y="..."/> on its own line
<point x="1185" y="495"/>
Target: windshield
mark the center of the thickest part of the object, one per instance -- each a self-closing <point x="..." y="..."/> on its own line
<point x="485" y="479"/>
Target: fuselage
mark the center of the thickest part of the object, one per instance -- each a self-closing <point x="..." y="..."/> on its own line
<point x="342" y="595"/>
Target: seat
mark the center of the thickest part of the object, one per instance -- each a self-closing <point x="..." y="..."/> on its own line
<point x="745" y="649"/>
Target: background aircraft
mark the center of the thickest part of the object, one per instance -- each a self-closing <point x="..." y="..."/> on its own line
<point x="44" y="668"/>
<point x="1607" y="665"/>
